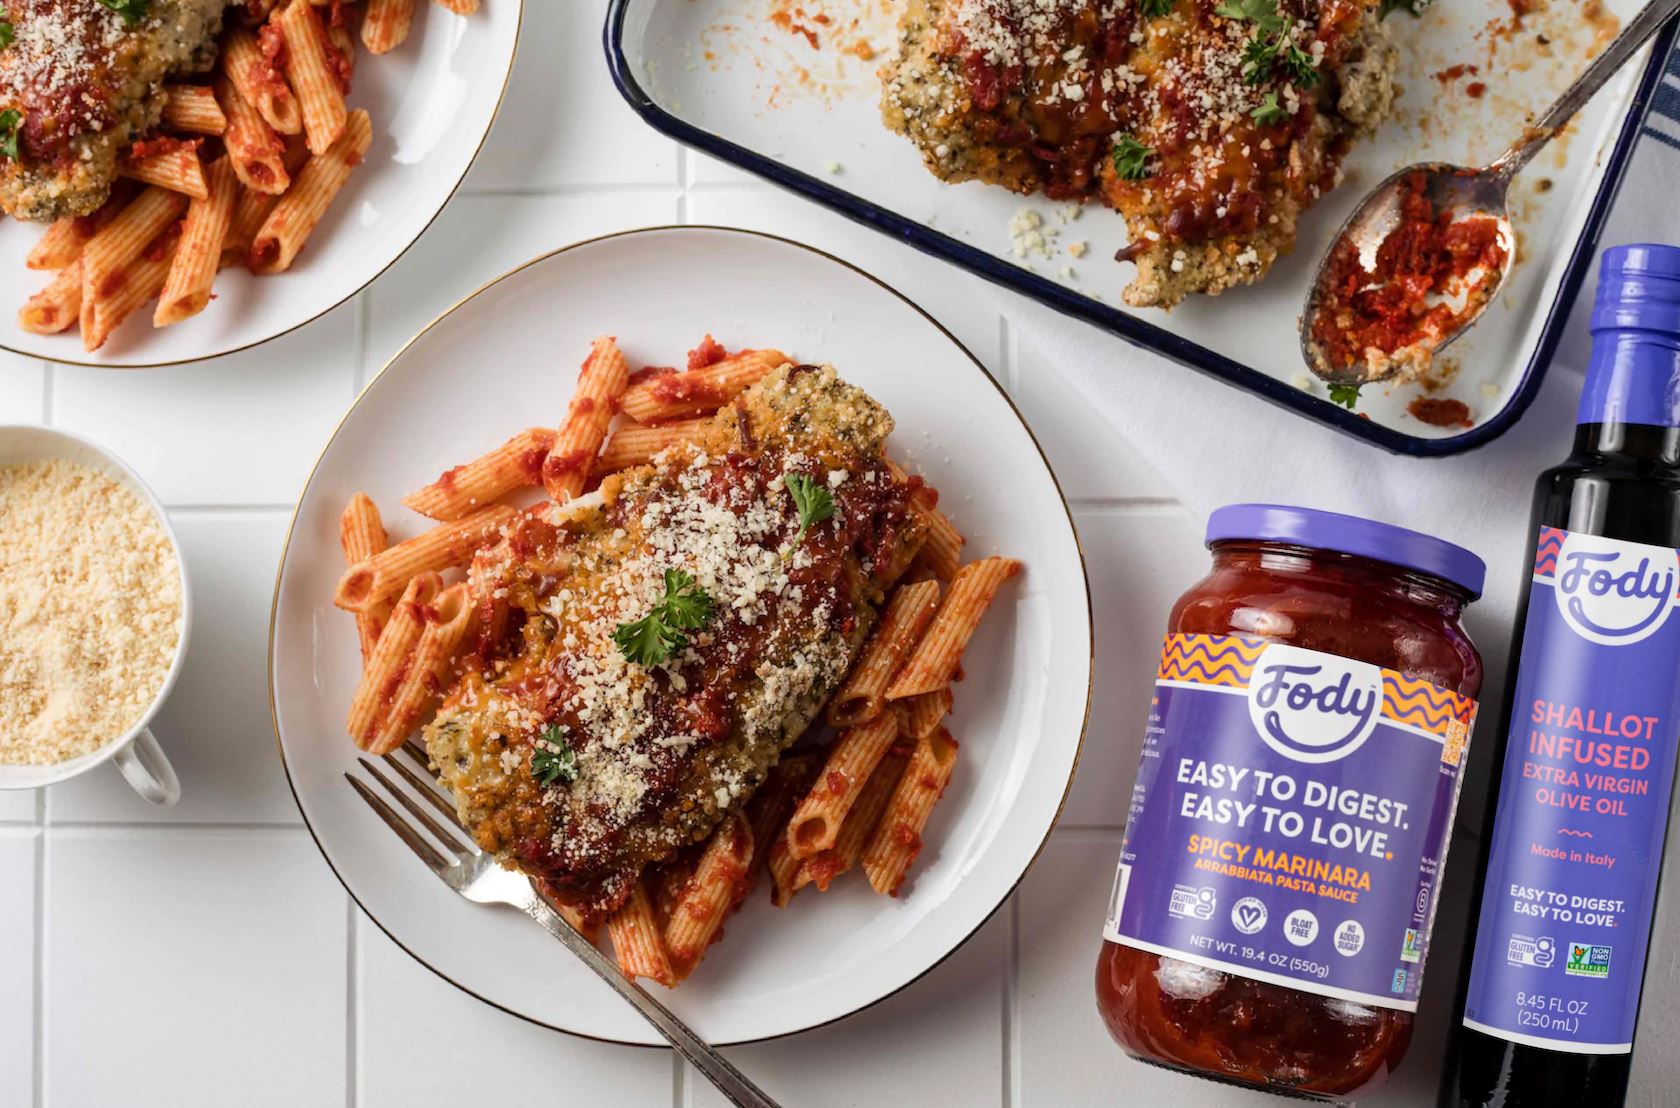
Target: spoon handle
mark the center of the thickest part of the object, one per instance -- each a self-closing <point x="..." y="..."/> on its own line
<point x="1640" y="28"/>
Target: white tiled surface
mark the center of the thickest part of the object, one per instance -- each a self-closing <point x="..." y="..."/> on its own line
<point x="205" y="955"/>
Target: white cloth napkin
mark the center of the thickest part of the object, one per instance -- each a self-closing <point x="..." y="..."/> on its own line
<point x="1480" y="499"/>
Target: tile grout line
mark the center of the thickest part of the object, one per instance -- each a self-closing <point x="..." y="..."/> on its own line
<point x="1011" y="1045"/>
<point x="227" y="509"/>
<point x="682" y="192"/>
<point x="38" y="1047"/>
<point x="128" y="827"/>
<point x="1009" y="357"/>
<point x="362" y="329"/>
<point x="352" y="998"/>
<point x="1123" y="504"/>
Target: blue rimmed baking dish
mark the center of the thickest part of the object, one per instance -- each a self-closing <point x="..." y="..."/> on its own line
<point x="717" y="76"/>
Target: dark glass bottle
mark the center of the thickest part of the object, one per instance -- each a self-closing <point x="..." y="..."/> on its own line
<point x="1574" y="851"/>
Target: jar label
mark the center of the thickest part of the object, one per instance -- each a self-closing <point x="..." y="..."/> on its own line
<point x="1290" y="818"/>
<point x="1583" y="799"/>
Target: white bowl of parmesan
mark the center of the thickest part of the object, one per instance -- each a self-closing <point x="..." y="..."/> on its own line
<point x="94" y="611"/>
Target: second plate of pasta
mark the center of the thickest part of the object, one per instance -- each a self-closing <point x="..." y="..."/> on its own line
<point x="982" y="571"/>
<point x="276" y="186"/>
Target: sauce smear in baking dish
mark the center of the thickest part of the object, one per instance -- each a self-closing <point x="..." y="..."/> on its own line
<point x="1432" y="273"/>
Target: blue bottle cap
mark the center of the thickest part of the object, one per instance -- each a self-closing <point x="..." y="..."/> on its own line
<point x="1634" y="374"/>
<point x="1639" y="287"/>
<point x="1365" y="538"/>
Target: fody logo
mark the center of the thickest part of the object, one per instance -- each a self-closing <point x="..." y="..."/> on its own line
<point x="1313" y="707"/>
<point x="1612" y="592"/>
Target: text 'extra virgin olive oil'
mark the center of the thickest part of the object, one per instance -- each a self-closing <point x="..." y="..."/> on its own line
<point x="1575" y="851"/>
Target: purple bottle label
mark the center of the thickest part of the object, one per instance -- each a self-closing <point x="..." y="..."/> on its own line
<point x="1583" y="803"/>
<point x="1290" y="818"/>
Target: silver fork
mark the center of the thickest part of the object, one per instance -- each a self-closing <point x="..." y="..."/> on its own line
<point x="481" y="879"/>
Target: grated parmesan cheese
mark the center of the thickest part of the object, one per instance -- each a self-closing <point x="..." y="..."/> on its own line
<point x="90" y="610"/>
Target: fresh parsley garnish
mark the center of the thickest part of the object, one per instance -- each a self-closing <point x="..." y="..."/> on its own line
<point x="1413" y="8"/>
<point x="653" y="638"/>
<point x="1272" y="43"/>
<point x="1131" y="158"/>
<point x="1269" y="111"/>
<point x="1154" y="9"/>
<point x="1298" y="64"/>
<point x="7" y="32"/>
<point x="553" y="759"/>
<point x="9" y="121"/>
<point x="812" y="498"/>
<point x="1262" y="13"/>
<point x="1345" y="395"/>
<point x="133" y="12"/>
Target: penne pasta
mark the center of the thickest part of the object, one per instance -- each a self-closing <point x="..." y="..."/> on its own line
<point x="491" y="603"/>
<point x="933" y="664"/>
<point x="584" y="925"/>
<point x="251" y="69"/>
<point x="193" y="109"/>
<point x="720" y="882"/>
<point x="861" y="696"/>
<point x="290" y="224"/>
<point x="254" y="146"/>
<point x="251" y="208"/>
<point x="396" y="644"/>
<point x="386" y="24"/>
<point x="124" y="290"/>
<point x="601" y="382"/>
<point x="636" y="939"/>
<point x="62" y="243"/>
<point x="425" y="674"/>
<point x="824" y="866"/>
<point x="898" y="838"/>
<point x="370" y="582"/>
<point x="120" y="243"/>
<point x="636" y="444"/>
<point x="668" y="884"/>
<point x="361" y="534"/>
<point x="177" y="168"/>
<point x="772" y="804"/>
<point x="310" y="71"/>
<point x="922" y="713"/>
<point x="784" y="869"/>
<point x="942" y="543"/>
<point x="817" y="820"/>
<point x="486" y="479"/>
<point x="55" y="307"/>
<point x="678" y="395"/>
<point x="186" y="291"/>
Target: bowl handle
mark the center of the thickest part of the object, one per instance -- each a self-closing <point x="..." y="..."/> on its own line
<point x="148" y="771"/>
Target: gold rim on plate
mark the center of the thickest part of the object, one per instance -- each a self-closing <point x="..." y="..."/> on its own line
<point x="986" y="374"/>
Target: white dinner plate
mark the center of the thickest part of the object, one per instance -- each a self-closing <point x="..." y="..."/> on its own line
<point x="506" y="358"/>
<point x="432" y="101"/>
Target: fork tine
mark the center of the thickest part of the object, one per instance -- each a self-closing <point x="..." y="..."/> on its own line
<point x="417" y="752"/>
<point x="426" y="789"/>
<point x="444" y="838"/>
<point x="407" y="834"/>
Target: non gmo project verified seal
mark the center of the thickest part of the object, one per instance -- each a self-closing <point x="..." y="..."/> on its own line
<point x="1587" y="960"/>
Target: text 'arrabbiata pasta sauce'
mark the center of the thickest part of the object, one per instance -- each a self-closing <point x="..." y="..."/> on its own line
<point x="1293" y="805"/>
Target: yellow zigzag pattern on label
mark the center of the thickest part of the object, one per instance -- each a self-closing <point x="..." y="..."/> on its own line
<point x="1209" y="659"/>
<point x="1420" y="704"/>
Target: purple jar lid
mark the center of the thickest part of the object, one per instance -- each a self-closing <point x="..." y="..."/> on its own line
<point x="1365" y="538"/>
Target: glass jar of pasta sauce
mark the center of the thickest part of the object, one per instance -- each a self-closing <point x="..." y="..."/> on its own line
<point x="1293" y="805"/>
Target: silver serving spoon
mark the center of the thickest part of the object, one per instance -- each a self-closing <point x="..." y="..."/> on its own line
<point x="1466" y="192"/>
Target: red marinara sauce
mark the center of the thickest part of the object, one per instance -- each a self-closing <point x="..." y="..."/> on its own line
<point x="1240" y="1030"/>
<point x="1387" y="309"/>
